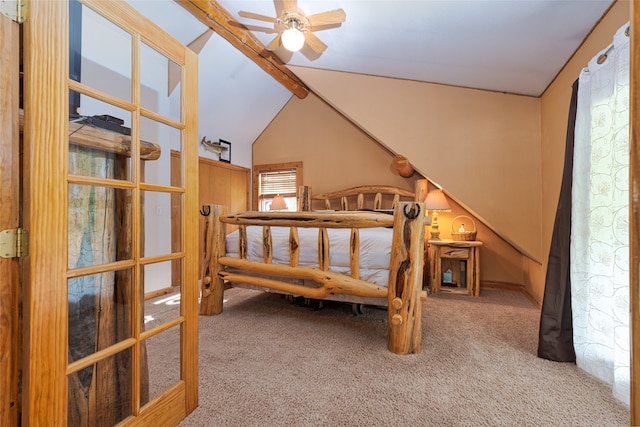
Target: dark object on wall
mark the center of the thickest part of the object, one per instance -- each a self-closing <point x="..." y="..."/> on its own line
<point x="225" y="156"/>
<point x="75" y="52"/>
<point x="108" y="122"/>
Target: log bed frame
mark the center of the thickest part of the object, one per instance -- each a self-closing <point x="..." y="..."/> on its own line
<point x="403" y="296"/>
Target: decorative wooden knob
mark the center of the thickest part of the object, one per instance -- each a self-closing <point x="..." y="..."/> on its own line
<point x="402" y="165"/>
<point x="206" y="281"/>
<point x="396" y="320"/>
<point x="396" y="303"/>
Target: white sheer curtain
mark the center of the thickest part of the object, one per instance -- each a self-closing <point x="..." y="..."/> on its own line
<point x="600" y="219"/>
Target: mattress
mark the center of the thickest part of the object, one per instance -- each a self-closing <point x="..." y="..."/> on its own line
<point x="375" y="249"/>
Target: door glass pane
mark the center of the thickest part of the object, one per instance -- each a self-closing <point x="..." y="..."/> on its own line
<point x="99" y="312"/>
<point x="176" y="218"/>
<point x="99" y="54"/>
<point x="161" y="231"/>
<point x="157" y="170"/>
<point x="99" y="225"/>
<point x="164" y="308"/>
<point x="155" y="72"/>
<point x="107" y="382"/>
<point x="163" y="351"/>
<point x="100" y="141"/>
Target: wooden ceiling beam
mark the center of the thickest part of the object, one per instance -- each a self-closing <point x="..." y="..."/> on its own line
<point x="217" y="18"/>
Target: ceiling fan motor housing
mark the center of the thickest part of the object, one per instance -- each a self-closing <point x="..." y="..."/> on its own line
<point x="294" y="20"/>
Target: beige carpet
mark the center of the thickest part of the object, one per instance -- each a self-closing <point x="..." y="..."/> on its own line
<point x="267" y="362"/>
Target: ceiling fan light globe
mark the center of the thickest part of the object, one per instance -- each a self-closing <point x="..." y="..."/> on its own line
<point x="292" y="39"/>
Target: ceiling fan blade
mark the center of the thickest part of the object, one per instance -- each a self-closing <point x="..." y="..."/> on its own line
<point x="199" y="42"/>
<point x="278" y="4"/>
<point x="284" y="54"/>
<point x="326" y="18"/>
<point x="290" y="5"/>
<point x="314" y="42"/>
<point x="175" y="70"/>
<point x="174" y="77"/>
<point x="256" y="16"/>
<point x="309" y="53"/>
<point x="274" y="44"/>
<point x="252" y="27"/>
<point x="317" y="28"/>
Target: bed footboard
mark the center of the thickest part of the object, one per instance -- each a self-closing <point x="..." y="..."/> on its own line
<point x="404" y="291"/>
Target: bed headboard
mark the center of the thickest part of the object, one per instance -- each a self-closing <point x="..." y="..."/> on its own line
<point x="362" y="197"/>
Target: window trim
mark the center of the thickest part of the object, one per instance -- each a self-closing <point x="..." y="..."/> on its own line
<point x="273" y="167"/>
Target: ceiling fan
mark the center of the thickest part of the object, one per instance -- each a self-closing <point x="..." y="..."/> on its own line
<point x="295" y="29"/>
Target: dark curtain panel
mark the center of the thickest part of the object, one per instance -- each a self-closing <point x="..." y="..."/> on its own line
<point x="556" y="326"/>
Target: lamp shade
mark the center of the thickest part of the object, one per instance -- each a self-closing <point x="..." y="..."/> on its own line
<point x="292" y="39"/>
<point x="278" y="204"/>
<point x="436" y="201"/>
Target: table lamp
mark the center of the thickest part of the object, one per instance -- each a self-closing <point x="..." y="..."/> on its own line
<point x="278" y="204"/>
<point x="436" y="202"/>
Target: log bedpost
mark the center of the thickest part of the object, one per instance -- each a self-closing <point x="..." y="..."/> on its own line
<point x="420" y="190"/>
<point x="304" y="198"/>
<point x="213" y="248"/>
<point x="405" y="279"/>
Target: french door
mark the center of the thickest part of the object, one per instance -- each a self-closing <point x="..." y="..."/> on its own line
<point x="99" y="127"/>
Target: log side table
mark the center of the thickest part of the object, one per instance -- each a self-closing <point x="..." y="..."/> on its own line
<point x="454" y="266"/>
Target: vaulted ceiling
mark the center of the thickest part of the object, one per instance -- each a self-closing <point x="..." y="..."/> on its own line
<point x="506" y="46"/>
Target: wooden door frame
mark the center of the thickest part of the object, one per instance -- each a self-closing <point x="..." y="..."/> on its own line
<point x="9" y="218"/>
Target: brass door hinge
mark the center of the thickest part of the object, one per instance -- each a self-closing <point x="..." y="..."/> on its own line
<point x="14" y="243"/>
<point x="16" y="10"/>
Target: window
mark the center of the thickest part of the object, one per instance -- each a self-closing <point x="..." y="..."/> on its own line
<point x="276" y="179"/>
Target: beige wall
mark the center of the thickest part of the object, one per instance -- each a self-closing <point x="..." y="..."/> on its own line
<point x="457" y="137"/>
<point x="336" y="154"/>
<point x="499" y="155"/>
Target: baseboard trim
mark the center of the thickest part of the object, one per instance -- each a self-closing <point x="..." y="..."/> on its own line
<point x="502" y="286"/>
<point x="532" y="299"/>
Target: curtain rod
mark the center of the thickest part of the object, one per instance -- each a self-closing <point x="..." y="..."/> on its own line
<point x="603" y="56"/>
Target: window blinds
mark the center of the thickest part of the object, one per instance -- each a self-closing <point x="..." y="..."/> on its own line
<point x="281" y="182"/>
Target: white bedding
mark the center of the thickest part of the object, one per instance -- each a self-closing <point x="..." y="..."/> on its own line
<point x="375" y="249"/>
